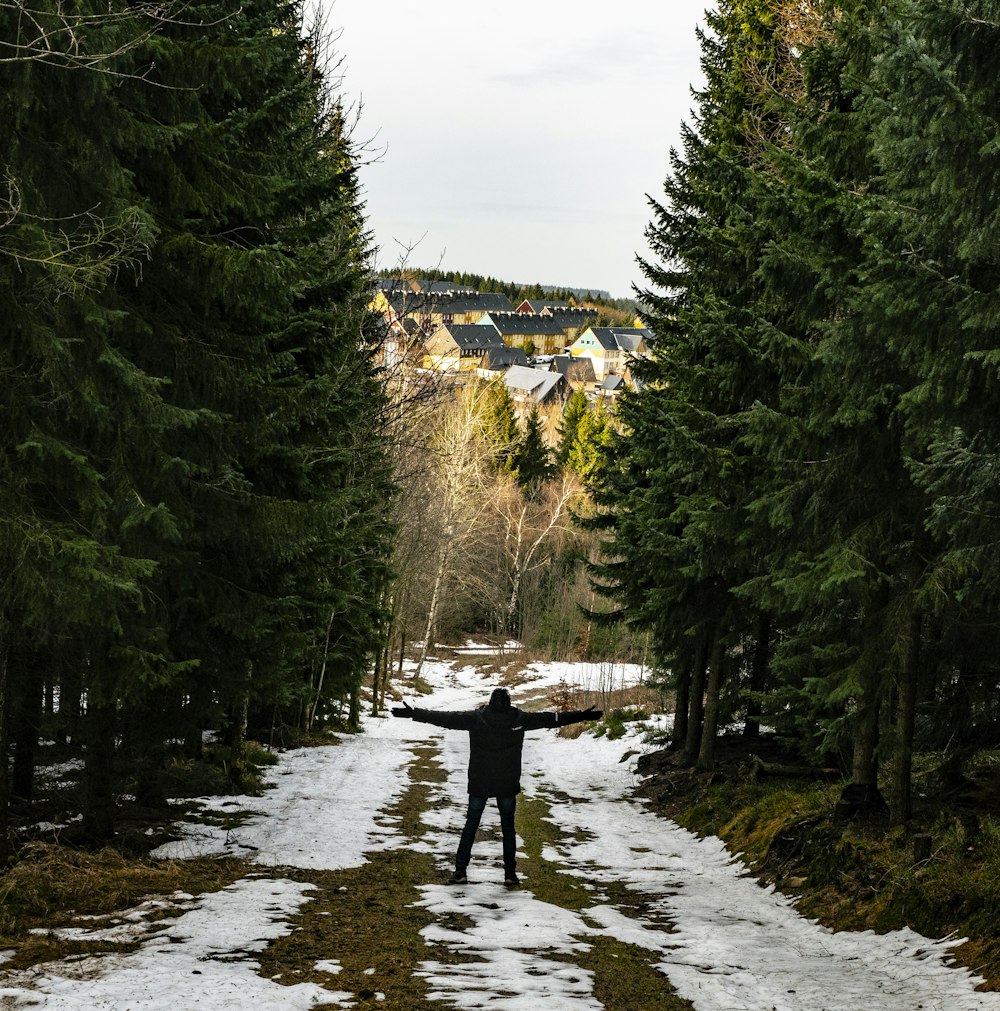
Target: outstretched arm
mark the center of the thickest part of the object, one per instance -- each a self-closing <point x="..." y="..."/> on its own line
<point x="540" y="721"/>
<point x="450" y="721"/>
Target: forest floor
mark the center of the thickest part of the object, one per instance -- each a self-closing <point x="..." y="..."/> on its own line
<point x="327" y="891"/>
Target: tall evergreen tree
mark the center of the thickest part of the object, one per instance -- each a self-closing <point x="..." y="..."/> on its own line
<point x="680" y="482"/>
<point x="196" y="481"/>
<point x="576" y="408"/>
<point x="532" y="463"/>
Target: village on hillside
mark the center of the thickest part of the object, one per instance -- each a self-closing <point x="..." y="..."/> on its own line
<point x="543" y="350"/>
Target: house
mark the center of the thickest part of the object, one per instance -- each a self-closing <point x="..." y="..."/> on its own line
<point x="441" y="288"/>
<point x="395" y="300"/>
<point x="460" y="347"/>
<point x="402" y="345"/>
<point x="534" y="386"/>
<point x="498" y="360"/>
<point x="579" y="372"/>
<point x="612" y="387"/>
<point x="572" y="318"/>
<point x="610" y="347"/>
<point x="398" y="299"/>
<point x="540" y="335"/>
<point x="466" y="308"/>
<point x="537" y="306"/>
<point x="419" y="286"/>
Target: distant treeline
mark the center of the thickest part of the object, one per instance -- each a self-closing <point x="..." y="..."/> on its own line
<point x="518" y="292"/>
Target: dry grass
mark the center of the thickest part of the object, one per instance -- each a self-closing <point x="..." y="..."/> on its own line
<point x="625" y="976"/>
<point x="53" y="886"/>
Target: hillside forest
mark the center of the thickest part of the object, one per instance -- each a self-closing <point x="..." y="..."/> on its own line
<point x="220" y="512"/>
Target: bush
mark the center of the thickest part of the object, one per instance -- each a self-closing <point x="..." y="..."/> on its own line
<point x="613" y="726"/>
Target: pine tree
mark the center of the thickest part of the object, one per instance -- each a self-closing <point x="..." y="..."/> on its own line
<point x="931" y="293"/>
<point x="532" y="464"/>
<point x="681" y="479"/>
<point x="590" y="445"/>
<point x="74" y="581"/>
<point x="197" y="486"/>
<point x="576" y="408"/>
<point x="500" y="426"/>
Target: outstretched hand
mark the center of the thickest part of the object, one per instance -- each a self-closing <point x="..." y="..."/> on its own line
<point x="404" y="711"/>
<point x="593" y="713"/>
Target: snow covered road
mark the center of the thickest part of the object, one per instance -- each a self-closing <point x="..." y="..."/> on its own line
<point x="724" y="943"/>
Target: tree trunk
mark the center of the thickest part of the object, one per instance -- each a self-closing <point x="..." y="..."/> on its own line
<point x="952" y="771"/>
<point x="682" y="700"/>
<point x="379" y="674"/>
<point x="322" y="674"/>
<point x="759" y="671"/>
<point x="98" y="772"/>
<point x="696" y="707"/>
<point x="146" y="748"/>
<point x="402" y="652"/>
<point x="354" y="717"/>
<point x="239" y="716"/>
<point x="70" y="691"/>
<point x="864" y="765"/>
<point x="4" y="793"/>
<point x="902" y="795"/>
<point x="710" y="727"/>
<point x="433" y="609"/>
<point x="24" y="728"/>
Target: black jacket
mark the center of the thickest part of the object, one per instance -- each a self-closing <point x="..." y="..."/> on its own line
<point x="495" y="741"/>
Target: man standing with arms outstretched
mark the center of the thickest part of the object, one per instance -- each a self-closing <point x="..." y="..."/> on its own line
<point x="496" y="737"/>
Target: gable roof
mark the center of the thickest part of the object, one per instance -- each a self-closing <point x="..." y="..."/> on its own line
<point x="576" y="369"/>
<point x="475" y="301"/>
<point x="444" y="288"/>
<point x="571" y="313"/>
<point x="501" y="358"/>
<point x="618" y="338"/>
<point x="524" y="323"/>
<point x="468" y="337"/>
<point x="539" y="305"/>
<point x="535" y="383"/>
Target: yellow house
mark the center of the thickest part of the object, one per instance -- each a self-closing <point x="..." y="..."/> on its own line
<point x="539" y="335"/>
<point x="460" y="347"/>
<point x="460" y="310"/>
<point x="611" y="348"/>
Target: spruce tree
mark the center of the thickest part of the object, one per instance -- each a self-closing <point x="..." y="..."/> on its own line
<point x="532" y="463"/>
<point x="576" y="408"/>
<point x="681" y="478"/>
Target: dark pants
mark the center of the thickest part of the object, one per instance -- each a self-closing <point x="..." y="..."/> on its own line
<point x="506" y="806"/>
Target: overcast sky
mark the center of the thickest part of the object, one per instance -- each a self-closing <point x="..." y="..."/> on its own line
<point x="518" y="140"/>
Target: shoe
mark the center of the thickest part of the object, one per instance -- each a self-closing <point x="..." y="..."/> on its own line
<point x="458" y="878"/>
<point x="511" y="880"/>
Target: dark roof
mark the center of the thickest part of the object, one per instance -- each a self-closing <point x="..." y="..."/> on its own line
<point x="620" y="338"/>
<point x="524" y="323"/>
<point x="477" y="301"/>
<point x="572" y="313"/>
<point x="444" y="288"/>
<point x="404" y="301"/>
<point x="613" y="383"/>
<point x="575" y="369"/>
<point x="538" y="305"/>
<point x="390" y="284"/>
<point x="471" y="337"/>
<point x="498" y="359"/>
